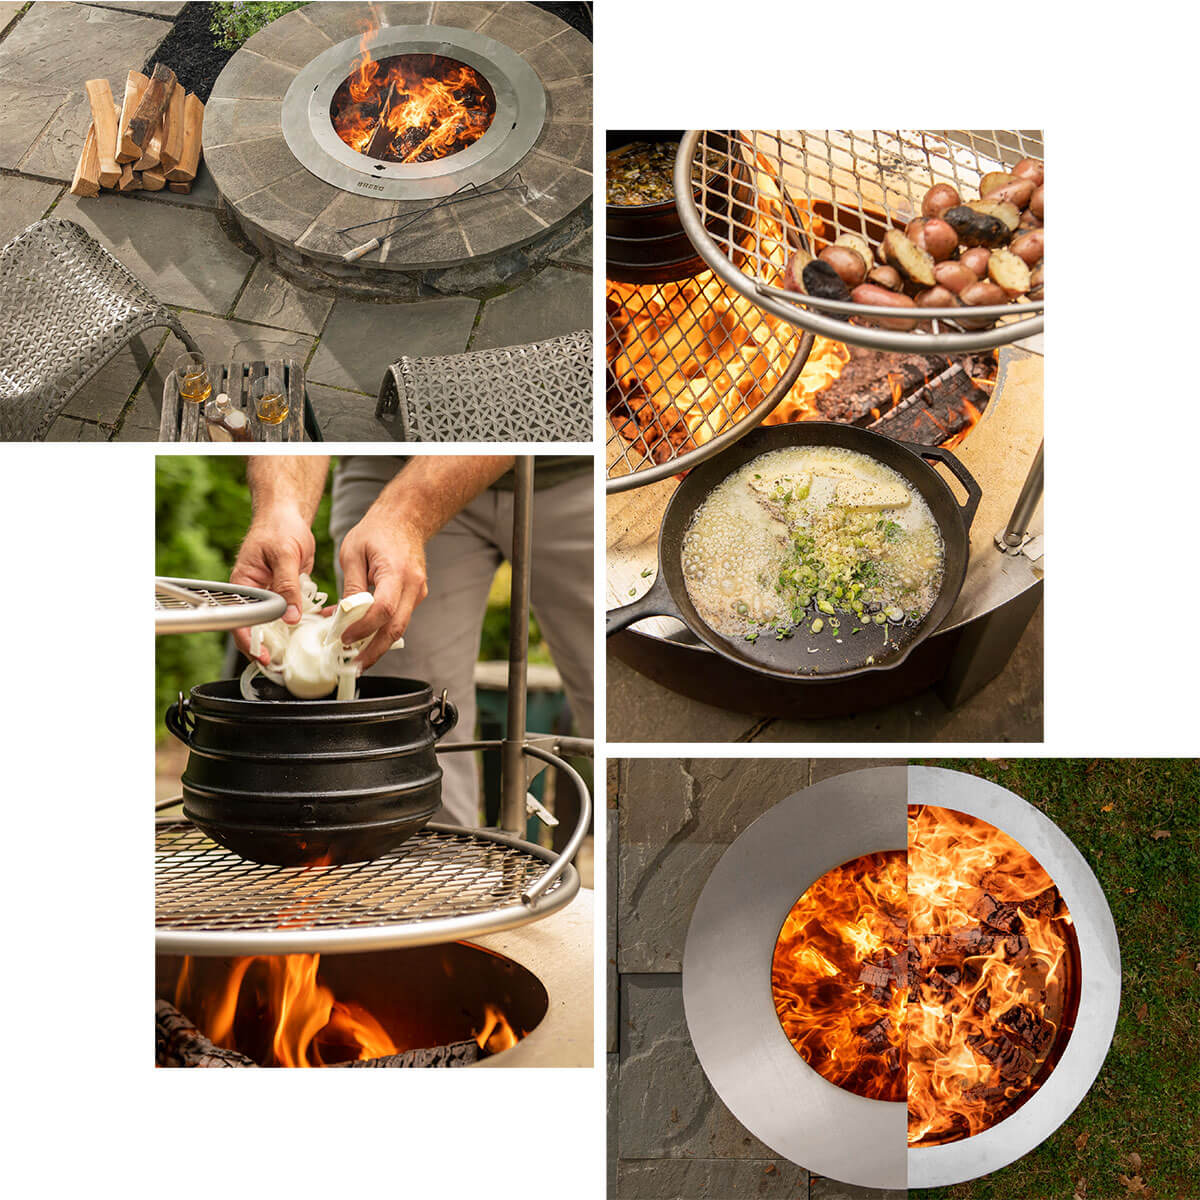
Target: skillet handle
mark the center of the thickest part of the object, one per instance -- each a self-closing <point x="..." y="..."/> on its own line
<point x="176" y="719"/>
<point x="942" y="455"/>
<point x="656" y="602"/>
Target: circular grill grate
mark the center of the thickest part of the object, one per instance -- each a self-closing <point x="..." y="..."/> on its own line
<point x="823" y="181"/>
<point x="197" y="606"/>
<point x="665" y="413"/>
<point x="443" y="884"/>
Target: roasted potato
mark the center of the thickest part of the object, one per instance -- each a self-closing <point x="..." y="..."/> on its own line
<point x="1037" y="283"/>
<point x="1037" y="202"/>
<point x="939" y="198"/>
<point x="820" y="279"/>
<point x="869" y="293"/>
<point x="976" y="260"/>
<point x="1029" y="220"/>
<point x="793" y="276"/>
<point x="1008" y="214"/>
<point x="983" y="292"/>
<point x="908" y="258"/>
<point x="851" y="241"/>
<point x="954" y="276"/>
<point x="1029" y="246"/>
<point x="847" y="263"/>
<point x="937" y="297"/>
<point x="993" y="180"/>
<point x="1031" y="168"/>
<point x="1007" y="270"/>
<point x="1017" y="192"/>
<point x="886" y="277"/>
<point x="937" y="238"/>
<point x="976" y="228"/>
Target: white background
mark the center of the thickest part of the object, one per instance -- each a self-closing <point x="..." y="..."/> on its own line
<point x="86" y="1111"/>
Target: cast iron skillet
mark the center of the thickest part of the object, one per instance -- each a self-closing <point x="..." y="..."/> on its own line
<point x="803" y="653"/>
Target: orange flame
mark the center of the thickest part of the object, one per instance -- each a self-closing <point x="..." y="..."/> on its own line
<point x="497" y="1034"/>
<point x="410" y="107"/>
<point x="944" y="982"/>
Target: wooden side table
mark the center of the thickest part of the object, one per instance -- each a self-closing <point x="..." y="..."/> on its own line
<point x="183" y="421"/>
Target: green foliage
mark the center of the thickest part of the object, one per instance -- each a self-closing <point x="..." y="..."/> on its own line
<point x="202" y="511"/>
<point x="235" y="20"/>
<point x="1137" y="822"/>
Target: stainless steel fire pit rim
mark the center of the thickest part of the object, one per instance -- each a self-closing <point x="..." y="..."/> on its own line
<point x="1099" y="984"/>
<point x="203" y="606"/>
<point x="515" y="127"/>
<point x="727" y="978"/>
<point x="776" y="302"/>
<point x="640" y="476"/>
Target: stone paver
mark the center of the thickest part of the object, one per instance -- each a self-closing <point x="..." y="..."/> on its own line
<point x="54" y="49"/>
<point x="68" y="429"/>
<point x="156" y="8"/>
<point x="702" y="1179"/>
<point x="108" y="392"/>
<point x="579" y="251"/>
<point x="830" y="1189"/>
<point x="204" y="193"/>
<point x="270" y="299"/>
<point x="182" y="255"/>
<point x="361" y="340"/>
<point x="346" y="416"/>
<point x="22" y="202"/>
<point x="8" y="11"/>
<point x="668" y="1108"/>
<point x="27" y="109"/>
<point x="555" y="301"/>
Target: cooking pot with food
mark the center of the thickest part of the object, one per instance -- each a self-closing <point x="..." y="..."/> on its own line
<point x="298" y="782"/>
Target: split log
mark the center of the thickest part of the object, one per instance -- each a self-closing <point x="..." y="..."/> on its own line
<point x="193" y="125"/>
<point x="104" y="118"/>
<point x="178" y="1043"/>
<point x="172" y="138"/>
<point x="130" y="181"/>
<point x="151" y="156"/>
<point x="135" y="86"/>
<point x="154" y="100"/>
<point x="457" y="1054"/>
<point x="382" y="136"/>
<point x="181" y="188"/>
<point x="86" y="181"/>
<point x="153" y="181"/>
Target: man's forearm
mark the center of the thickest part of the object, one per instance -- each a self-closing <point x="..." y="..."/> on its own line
<point x="430" y="489"/>
<point x="287" y="481"/>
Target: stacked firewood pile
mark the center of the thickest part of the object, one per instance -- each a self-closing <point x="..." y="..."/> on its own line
<point x="150" y="141"/>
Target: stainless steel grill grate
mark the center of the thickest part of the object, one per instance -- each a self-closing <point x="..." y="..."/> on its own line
<point x="823" y="181"/>
<point x="441" y="885"/>
<point x="196" y="606"/>
<point x="665" y="411"/>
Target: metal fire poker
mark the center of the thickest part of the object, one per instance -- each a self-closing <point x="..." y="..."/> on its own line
<point x="512" y="751"/>
<point x="468" y="191"/>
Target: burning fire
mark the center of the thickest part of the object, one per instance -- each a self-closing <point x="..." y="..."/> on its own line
<point x="411" y="108"/>
<point x="311" y="1027"/>
<point x="686" y="360"/>
<point x="943" y="981"/>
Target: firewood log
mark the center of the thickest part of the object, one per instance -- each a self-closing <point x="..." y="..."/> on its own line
<point x="151" y="156"/>
<point x="129" y="182"/>
<point x="189" y="158"/>
<point x="87" y="173"/>
<point x="135" y="86"/>
<point x="153" y="180"/>
<point x="104" y="117"/>
<point x="178" y="1043"/>
<point x="183" y="187"/>
<point x="172" y="138"/>
<point x="154" y="100"/>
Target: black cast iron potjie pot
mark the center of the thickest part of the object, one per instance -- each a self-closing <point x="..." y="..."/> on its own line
<point x="299" y="782"/>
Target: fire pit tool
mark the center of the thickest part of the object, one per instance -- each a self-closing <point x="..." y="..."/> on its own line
<point x="199" y="606"/>
<point x="444" y="883"/>
<point x="468" y="191"/>
<point x="876" y="647"/>
<point x="731" y="1015"/>
<point x="860" y="182"/>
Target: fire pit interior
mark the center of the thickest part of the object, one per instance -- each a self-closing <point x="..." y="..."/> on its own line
<point x="947" y="980"/>
<point x="412" y="108"/>
<point x="443" y="1005"/>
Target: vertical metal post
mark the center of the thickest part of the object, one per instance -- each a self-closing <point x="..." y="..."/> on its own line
<point x="512" y="761"/>
<point x="1027" y="501"/>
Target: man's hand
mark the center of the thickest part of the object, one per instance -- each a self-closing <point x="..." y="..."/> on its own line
<point x="385" y="555"/>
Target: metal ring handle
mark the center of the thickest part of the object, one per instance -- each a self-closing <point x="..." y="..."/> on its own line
<point x="446" y="719"/>
<point x="960" y="472"/>
<point x="176" y="718"/>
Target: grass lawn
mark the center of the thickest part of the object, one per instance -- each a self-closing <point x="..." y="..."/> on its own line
<point x="1137" y="1132"/>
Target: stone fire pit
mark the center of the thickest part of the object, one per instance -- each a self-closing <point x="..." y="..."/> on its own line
<point x="296" y="218"/>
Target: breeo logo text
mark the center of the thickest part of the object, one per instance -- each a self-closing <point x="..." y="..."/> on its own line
<point x="377" y="187"/>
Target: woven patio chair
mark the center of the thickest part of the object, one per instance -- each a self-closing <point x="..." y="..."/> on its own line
<point x="540" y="392"/>
<point x="66" y="307"/>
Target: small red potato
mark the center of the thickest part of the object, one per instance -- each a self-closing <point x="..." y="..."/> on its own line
<point x="869" y="293"/>
<point x="1030" y="246"/>
<point x="976" y="260"/>
<point x="937" y="297"/>
<point x="939" y="198"/>
<point x="886" y="277"/>
<point x="1037" y="203"/>
<point x="954" y="276"/>
<point x="1017" y="192"/>
<point x="1031" y="168"/>
<point x="847" y="263"/>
